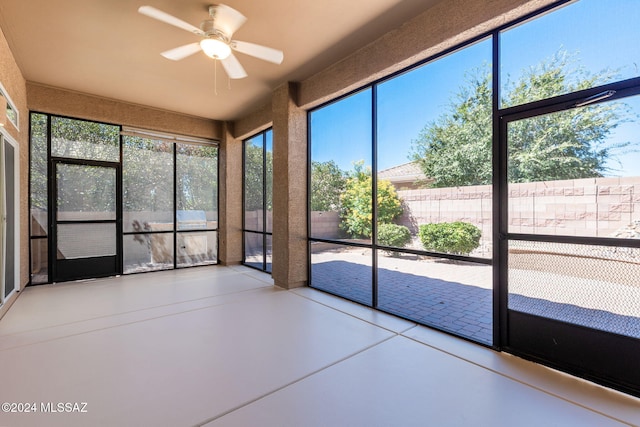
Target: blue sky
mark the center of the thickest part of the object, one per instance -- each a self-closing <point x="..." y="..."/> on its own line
<point x="601" y="34"/>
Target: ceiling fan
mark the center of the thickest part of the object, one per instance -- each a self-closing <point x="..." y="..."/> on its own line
<point x="216" y="42"/>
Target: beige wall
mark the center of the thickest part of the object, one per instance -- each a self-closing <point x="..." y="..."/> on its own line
<point x="230" y="197"/>
<point x="290" y="260"/>
<point x="445" y="25"/>
<point x="255" y="122"/>
<point x="46" y="99"/>
<point x="15" y="85"/>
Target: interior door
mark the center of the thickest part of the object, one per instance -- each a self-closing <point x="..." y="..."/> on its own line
<point x="572" y="253"/>
<point x="87" y="220"/>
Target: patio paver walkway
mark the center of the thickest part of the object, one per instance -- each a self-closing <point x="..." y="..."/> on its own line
<point x="457" y="297"/>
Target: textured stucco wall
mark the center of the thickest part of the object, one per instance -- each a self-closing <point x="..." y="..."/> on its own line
<point x="15" y="85"/>
<point x="230" y="194"/>
<point x="289" y="189"/>
<point x="45" y="99"/>
<point x="253" y="123"/>
<point x="447" y="24"/>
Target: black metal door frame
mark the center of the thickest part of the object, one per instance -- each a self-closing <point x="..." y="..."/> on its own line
<point x="603" y="357"/>
<point x="89" y="267"/>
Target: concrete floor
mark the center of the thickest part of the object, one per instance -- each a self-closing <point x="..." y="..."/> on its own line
<point x="220" y="346"/>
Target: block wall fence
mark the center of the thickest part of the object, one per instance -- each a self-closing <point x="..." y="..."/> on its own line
<point x="601" y="207"/>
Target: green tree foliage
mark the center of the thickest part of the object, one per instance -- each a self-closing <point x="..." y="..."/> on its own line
<point x="77" y="139"/>
<point x="255" y="160"/>
<point x="197" y="177"/>
<point x="147" y="175"/>
<point x="38" y="162"/>
<point x="327" y="184"/>
<point x="147" y="172"/>
<point x="356" y="210"/>
<point x="455" y="150"/>
<point x="81" y="139"/>
<point x="450" y="237"/>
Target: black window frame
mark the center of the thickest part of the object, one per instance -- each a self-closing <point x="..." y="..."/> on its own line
<point x="121" y="233"/>
<point x="265" y="234"/>
<point x="623" y="88"/>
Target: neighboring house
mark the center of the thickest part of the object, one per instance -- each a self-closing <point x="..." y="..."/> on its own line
<point x="407" y="176"/>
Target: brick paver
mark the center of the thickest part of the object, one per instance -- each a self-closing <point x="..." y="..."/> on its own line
<point x="459" y="308"/>
<point x="457" y="297"/>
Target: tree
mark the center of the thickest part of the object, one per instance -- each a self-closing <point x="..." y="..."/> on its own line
<point x="356" y="211"/>
<point x="38" y="162"/>
<point x="147" y="169"/>
<point x="147" y="176"/>
<point x="455" y="150"/>
<point x="197" y="177"/>
<point x="327" y="184"/>
<point x="79" y="139"/>
<point x="255" y="160"/>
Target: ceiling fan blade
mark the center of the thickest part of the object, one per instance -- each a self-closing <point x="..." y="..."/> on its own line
<point x="154" y="13"/>
<point x="226" y="19"/>
<point x="181" y="52"/>
<point x="233" y="67"/>
<point x="262" y="52"/>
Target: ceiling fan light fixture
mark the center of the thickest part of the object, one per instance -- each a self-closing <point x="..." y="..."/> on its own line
<point x="215" y="48"/>
<point x="216" y="41"/>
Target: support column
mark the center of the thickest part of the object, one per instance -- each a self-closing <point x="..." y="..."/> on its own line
<point x="230" y="188"/>
<point x="289" y="268"/>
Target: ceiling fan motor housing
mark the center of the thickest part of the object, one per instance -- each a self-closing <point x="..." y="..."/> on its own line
<point x="209" y="29"/>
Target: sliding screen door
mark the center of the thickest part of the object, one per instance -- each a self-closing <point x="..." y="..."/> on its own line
<point x="8" y="204"/>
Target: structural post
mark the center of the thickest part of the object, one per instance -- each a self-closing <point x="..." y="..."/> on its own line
<point x="230" y="198"/>
<point x="289" y="268"/>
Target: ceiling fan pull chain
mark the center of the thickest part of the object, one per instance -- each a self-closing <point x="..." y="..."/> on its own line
<point x="215" y="76"/>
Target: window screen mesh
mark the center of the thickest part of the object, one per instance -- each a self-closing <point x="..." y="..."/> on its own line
<point x="86" y="240"/>
<point x="588" y="285"/>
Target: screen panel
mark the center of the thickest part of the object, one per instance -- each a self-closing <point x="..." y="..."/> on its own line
<point x="80" y="139"/>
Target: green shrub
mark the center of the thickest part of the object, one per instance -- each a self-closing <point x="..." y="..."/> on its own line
<point x="356" y="213"/>
<point x="394" y="235"/>
<point x="450" y="237"/>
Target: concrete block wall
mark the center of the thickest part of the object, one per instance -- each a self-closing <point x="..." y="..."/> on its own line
<point x="594" y="207"/>
<point x="470" y="204"/>
<point x="254" y="220"/>
<point x="325" y="225"/>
